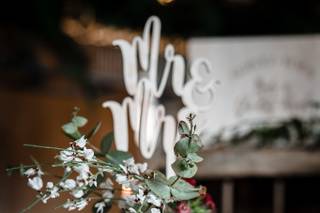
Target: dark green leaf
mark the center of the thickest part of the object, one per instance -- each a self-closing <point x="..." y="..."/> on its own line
<point x="94" y="130"/>
<point x="79" y="121"/>
<point x="106" y="143"/>
<point x="183" y="128"/>
<point x="117" y="157"/>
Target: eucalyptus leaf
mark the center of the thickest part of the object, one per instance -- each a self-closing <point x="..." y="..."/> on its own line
<point x="161" y="177"/>
<point x="196" y="139"/>
<point x="79" y="121"/>
<point x="106" y="143"/>
<point x="183" y="195"/>
<point x="159" y="188"/>
<point x="182" y="146"/>
<point x="183" y="128"/>
<point x="117" y="157"/>
<point x="69" y="128"/>
<point x="181" y="184"/>
<point x="184" y="169"/>
<point x="194" y="157"/>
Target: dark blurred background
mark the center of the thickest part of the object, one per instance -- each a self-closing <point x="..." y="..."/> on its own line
<point x="58" y="54"/>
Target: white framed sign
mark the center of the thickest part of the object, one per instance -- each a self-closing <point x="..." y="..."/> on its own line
<point x="261" y="78"/>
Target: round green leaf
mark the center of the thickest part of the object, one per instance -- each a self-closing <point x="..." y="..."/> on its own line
<point x="69" y="128"/>
<point x="79" y="121"/>
<point x="194" y="157"/>
<point x="184" y="169"/>
<point x="182" y="146"/>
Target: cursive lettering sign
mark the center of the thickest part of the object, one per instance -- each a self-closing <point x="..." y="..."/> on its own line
<point x="147" y="117"/>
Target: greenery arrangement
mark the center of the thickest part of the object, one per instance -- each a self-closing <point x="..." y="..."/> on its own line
<point x="101" y="174"/>
<point x="292" y="133"/>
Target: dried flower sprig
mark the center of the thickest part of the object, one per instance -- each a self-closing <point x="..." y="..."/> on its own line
<point x="89" y="173"/>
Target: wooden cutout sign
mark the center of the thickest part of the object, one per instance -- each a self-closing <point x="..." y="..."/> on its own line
<point x="147" y="117"/>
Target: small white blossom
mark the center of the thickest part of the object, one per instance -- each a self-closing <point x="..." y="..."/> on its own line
<point x="54" y="193"/>
<point x="122" y="179"/>
<point x="107" y="184"/>
<point x="141" y="196"/>
<point x="67" y="169"/>
<point x="132" y="210"/>
<point x="88" y="154"/>
<point x="107" y="195"/>
<point x="142" y="167"/>
<point x="77" y="193"/>
<point x="36" y="183"/>
<point x="83" y="170"/>
<point x="100" y="207"/>
<point x="153" y="199"/>
<point x="78" y="204"/>
<point x="49" y="185"/>
<point x="92" y="182"/>
<point x="30" y="172"/>
<point x="155" y="210"/>
<point x="66" y="155"/>
<point x="68" y="184"/>
<point x="81" y="142"/>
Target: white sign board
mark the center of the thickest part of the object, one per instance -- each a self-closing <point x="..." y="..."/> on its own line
<point x="262" y="78"/>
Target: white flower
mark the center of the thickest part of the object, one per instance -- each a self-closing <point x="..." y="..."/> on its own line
<point x="153" y="199"/>
<point x="66" y="155"/>
<point x="83" y="170"/>
<point x="107" y="184"/>
<point x="122" y="179"/>
<point x="68" y="184"/>
<point x="77" y="193"/>
<point x="49" y="185"/>
<point x="72" y="205"/>
<point x="36" y="183"/>
<point x="142" y="167"/>
<point x="132" y="210"/>
<point x="141" y="196"/>
<point x="134" y="169"/>
<point x="88" y="154"/>
<point x="81" y="142"/>
<point x="155" y="210"/>
<point x="67" y="169"/>
<point x="100" y="207"/>
<point x="53" y="190"/>
<point x="107" y="195"/>
<point x="81" y="204"/>
<point x="30" y="172"/>
<point x="93" y="182"/>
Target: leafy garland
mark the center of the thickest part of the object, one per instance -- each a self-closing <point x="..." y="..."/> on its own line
<point x="96" y="174"/>
<point x="291" y="133"/>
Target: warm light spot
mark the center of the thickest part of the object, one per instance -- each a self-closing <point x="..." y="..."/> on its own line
<point x="125" y="192"/>
<point x="164" y="2"/>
